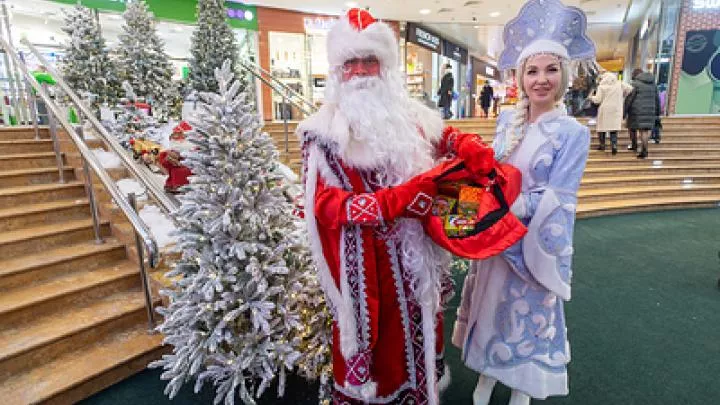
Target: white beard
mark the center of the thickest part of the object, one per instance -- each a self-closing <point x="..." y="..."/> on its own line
<point x="384" y="135"/>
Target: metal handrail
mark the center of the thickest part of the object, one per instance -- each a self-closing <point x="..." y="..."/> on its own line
<point x="89" y="158"/>
<point x="249" y="66"/>
<point x="167" y="202"/>
<point x="285" y="92"/>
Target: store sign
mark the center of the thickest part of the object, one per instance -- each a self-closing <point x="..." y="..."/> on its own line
<point x="319" y="23"/>
<point x="240" y="15"/>
<point x="455" y="52"/>
<point x="422" y="37"/>
<point x="485" y="69"/>
<point x="111" y="5"/>
<point x="706" y="4"/>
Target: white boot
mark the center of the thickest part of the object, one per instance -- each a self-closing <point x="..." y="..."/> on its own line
<point x="519" y="398"/>
<point x="483" y="391"/>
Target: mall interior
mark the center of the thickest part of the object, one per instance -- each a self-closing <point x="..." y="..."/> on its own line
<point x="97" y="223"/>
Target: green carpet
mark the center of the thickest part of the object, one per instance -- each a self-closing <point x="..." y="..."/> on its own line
<point x="644" y="321"/>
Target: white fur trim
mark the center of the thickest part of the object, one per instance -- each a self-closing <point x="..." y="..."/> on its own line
<point x="366" y="391"/>
<point x="544" y="46"/>
<point x="344" y="42"/>
<point x="426" y="261"/>
<point x="330" y="125"/>
<point x="344" y="317"/>
<point x="445" y="381"/>
<point x="519" y="208"/>
<point x="429" y="121"/>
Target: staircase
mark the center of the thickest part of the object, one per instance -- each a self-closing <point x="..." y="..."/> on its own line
<point x="681" y="172"/>
<point x="72" y="314"/>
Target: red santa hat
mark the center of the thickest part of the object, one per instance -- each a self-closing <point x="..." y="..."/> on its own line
<point x="359" y="34"/>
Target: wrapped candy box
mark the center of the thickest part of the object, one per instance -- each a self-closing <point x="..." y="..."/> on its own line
<point x="458" y="204"/>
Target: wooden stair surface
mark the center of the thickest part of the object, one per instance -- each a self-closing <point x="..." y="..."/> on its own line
<point x="684" y="166"/>
<point x="72" y="313"/>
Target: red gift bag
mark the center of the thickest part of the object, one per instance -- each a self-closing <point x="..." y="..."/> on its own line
<point x="496" y="228"/>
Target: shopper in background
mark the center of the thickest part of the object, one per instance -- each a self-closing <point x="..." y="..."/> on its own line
<point x="643" y="109"/>
<point x="609" y="96"/>
<point x="626" y="109"/>
<point x="486" y="98"/>
<point x="446" y="91"/>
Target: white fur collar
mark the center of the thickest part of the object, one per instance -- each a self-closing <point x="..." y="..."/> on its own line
<point x="330" y="125"/>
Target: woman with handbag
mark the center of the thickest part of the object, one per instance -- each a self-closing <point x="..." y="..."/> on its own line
<point x="609" y="95"/>
<point x="643" y="109"/>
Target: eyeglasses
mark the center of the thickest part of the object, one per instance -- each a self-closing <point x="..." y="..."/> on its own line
<point x="367" y="62"/>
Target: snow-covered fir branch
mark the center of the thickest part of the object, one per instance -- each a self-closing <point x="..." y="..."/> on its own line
<point x="245" y="307"/>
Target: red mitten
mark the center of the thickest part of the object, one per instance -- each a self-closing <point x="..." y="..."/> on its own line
<point x="479" y="158"/>
<point x="411" y="199"/>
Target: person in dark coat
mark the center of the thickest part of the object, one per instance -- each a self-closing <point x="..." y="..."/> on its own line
<point x="446" y="91"/>
<point x="631" y="132"/>
<point x="643" y="109"/>
<point x="486" y="98"/>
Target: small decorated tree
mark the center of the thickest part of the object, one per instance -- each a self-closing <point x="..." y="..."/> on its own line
<point x="212" y="43"/>
<point x="245" y="307"/>
<point x="86" y="65"/>
<point x="143" y="61"/>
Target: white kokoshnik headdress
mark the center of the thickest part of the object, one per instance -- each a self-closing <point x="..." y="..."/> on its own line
<point x="546" y="26"/>
<point x="542" y="27"/>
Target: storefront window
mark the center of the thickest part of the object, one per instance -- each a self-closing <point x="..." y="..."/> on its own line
<point x="317" y="44"/>
<point x="289" y="64"/>
<point x="419" y="76"/>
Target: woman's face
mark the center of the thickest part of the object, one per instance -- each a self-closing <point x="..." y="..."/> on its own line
<point x="541" y="80"/>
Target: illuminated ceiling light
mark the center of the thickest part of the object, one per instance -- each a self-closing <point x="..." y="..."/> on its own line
<point x="495" y="14"/>
<point x="688" y="181"/>
<point x="351" y="4"/>
<point x="657" y="163"/>
<point x="425" y="11"/>
<point x="476" y="26"/>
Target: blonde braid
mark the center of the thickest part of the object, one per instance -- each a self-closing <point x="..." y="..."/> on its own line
<point x="516" y="130"/>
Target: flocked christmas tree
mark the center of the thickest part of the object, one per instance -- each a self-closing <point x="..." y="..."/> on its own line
<point x="245" y="307"/>
<point x="212" y="43"/>
<point x="143" y="61"/>
<point x="132" y="122"/>
<point x="86" y="65"/>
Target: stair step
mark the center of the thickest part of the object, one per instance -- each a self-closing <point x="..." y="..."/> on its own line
<point x="613" y="170"/>
<point x="79" y="374"/>
<point x="652" y="160"/>
<point x="40" y="238"/>
<point x="661" y="192"/>
<point x="615" y="207"/>
<point x="666" y="144"/>
<point x="26" y="177"/>
<point x="22" y="195"/>
<point x="83" y="256"/>
<point x="57" y="293"/>
<point x="662" y="150"/>
<point x="39" y="340"/>
<point x="28" y="160"/>
<point x="29" y="215"/>
<point x="9" y="147"/>
<point x="22" y="132"/>
<point x="646" y="180"/>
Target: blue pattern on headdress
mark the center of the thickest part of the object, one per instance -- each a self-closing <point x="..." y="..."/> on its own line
<point x="546" y="19"/>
